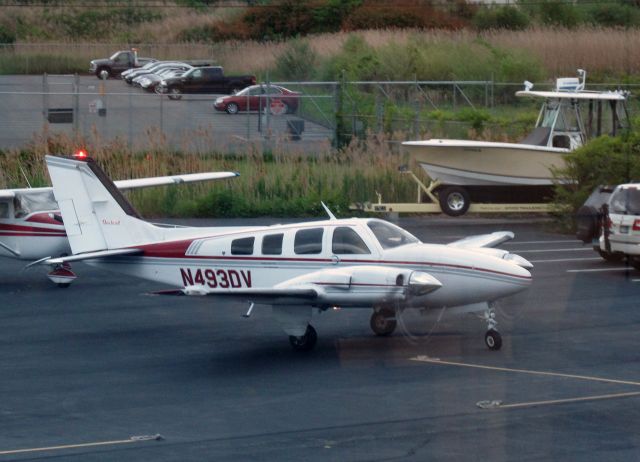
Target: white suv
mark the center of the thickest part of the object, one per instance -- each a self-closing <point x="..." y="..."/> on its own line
<point x="621" y="228"/>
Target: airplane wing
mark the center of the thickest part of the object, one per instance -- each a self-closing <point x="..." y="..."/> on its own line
<point x="173" y="179"/>
<point x="348" y="286"/>
<point x="483" y="240"/>
<point x="90" y="256"/>
<point x="136" y="183"/>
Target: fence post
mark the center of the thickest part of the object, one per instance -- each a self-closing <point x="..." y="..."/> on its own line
<point x="76" y="105"/>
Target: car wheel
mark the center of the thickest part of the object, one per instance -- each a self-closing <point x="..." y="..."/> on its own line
<point x="175" y="93"/>
<point x="232" y="108"/>
<point x="103" y="73"/>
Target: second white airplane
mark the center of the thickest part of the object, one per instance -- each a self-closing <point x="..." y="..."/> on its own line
<point x="298" y="269"/>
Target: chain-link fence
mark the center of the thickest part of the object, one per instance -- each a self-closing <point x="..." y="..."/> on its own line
<point x="311" y="117"/>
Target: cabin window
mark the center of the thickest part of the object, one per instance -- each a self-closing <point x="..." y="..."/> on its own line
<point x="346" y="241"/>
<point x="272" y="244"/>
<point x="243" y="246"/>
<point x="308" y="241"/>
<point x="4" y="210"/>
<point x="390" y="236"/>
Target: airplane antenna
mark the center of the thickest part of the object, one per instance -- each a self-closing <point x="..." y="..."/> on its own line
<point x="326" y="209"/>
<point x="24" y="175"/>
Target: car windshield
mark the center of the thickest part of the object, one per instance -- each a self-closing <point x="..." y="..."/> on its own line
<point x="390" y="236"/>
<point x="626" y="201"/>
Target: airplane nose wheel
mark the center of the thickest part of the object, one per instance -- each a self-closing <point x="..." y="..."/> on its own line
<point x="305" y="342"/>
<point x="492" y="338"/>
<point x="383" y="322"/>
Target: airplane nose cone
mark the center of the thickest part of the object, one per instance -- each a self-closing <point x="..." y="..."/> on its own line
<point x="421" y="283"/>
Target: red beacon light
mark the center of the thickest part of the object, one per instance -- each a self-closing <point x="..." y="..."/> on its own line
<point x="80" y="154"/>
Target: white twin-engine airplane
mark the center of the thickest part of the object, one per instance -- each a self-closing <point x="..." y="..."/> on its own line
<point x="31" y="226"/>
<point x="295" y="268"/>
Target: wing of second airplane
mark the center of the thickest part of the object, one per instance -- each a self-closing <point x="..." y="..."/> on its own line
<point x="173" y="179"/>
<point x="483" y="240"/>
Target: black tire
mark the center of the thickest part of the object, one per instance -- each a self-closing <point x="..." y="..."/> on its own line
<point x="493" y="339"/>
<point x="610" y="256"/>
<point x="306" y="342"/>
<point x="635" y="262"/>
<point x="174" y="93"/>
<point x="587" y="223"/>
<point x="103" y="73"/>
<point x="63" y="285"/>
<point x="454" y="200"/>
<point x="232" y="108"/>
<point x="383" y="322"/>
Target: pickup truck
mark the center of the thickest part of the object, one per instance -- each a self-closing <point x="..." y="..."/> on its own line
<point x="205" y="80"/>
<point x="118" y="62"/>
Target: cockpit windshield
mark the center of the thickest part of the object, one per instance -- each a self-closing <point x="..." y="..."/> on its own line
<point x="26" y="203"/>
<point x="390" y="236"/>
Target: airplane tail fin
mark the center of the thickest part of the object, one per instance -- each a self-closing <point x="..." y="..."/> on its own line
<point x="95" y="213"/>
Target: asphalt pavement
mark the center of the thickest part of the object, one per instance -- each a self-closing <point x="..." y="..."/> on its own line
<point x="97" y="371"/>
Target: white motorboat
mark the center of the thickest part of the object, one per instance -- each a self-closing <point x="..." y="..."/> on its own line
<point x="490" y="171"/>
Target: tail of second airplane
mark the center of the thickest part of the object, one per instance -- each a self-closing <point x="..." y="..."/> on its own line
<point x="95" y="213"/>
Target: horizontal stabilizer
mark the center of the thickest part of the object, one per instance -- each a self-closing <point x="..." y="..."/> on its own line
<point x="92" y="256"/>
<point x="483" y="240"/>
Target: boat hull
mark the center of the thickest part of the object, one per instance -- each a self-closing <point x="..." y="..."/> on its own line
<point x="477" y="163"/>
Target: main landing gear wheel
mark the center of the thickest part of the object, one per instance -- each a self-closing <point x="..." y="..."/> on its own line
<point x="493" y="339"/>
<point x="383" y="322"/>
<point x="306" y="342"/>
<point x="454" y="201"/>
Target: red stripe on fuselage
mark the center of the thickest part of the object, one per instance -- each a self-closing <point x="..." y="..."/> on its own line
<point x="32" y="229"/>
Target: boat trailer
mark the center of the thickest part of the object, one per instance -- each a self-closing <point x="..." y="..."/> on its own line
<point x="438" y="204"/>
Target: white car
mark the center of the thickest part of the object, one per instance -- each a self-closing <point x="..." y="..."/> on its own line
<point x="609" y="220"/>
<point x="621" y="226"/>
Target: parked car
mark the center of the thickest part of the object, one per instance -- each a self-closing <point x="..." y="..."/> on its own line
<point x="154" y="68"/>
<point x="117" y="63"/>
<point x="205" y="80"/>
<point x="610" y="221"/>
<point x="256" y="98"/>
<point x="150" y="82"/>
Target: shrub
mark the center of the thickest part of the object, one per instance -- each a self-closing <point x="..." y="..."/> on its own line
<point x="555" y="13"/>
<point x="6" y="36"/>
<point x="297" y="62"/>
<point x="501" y="17"/>
<point x="612" y="14"/>
<point x="604" y="160"/>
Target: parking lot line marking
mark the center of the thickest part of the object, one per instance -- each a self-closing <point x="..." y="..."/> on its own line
<point x="568" y="400"/>
<point x="133" y="439"/>
<point x="565" y="259"/>
<point x="596" y="270"/>
<point x="426" y="359"/>
<point x="572" y="249"/>
<point x="562" y="241"/>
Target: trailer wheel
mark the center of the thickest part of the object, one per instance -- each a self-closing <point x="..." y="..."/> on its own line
<point x="454" y="200"/>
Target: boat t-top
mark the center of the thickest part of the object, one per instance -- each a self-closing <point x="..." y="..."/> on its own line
<point x="488" y="171"/>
